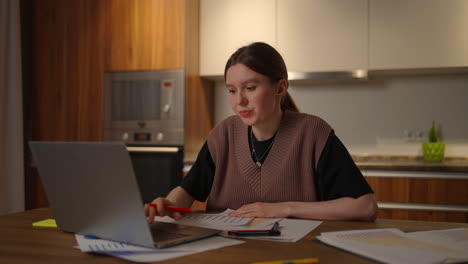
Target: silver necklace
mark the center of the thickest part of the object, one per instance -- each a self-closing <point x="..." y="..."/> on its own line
<point x="257" y="159"/>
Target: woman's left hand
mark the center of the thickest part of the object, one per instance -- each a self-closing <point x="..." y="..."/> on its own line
<point x="268" y="210"/>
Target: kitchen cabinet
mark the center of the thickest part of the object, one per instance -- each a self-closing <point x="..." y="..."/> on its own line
<point x="420" y="195"/>
<point x="334" y="35"/>
<point x="323" y="35"/>
<point x="144" y="35"/>
<point x="228" y="25"/>
<point x="418" y="34"/>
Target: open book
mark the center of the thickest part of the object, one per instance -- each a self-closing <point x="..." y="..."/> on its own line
<point x="394" y="246"/>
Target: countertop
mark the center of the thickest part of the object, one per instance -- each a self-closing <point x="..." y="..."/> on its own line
<point x="410" y="163"/>
<point x="397" y="163"/>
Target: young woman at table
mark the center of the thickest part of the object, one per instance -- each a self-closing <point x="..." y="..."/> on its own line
<point x="269" y="160"/>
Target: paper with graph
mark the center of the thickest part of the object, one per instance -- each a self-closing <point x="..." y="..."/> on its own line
<point x="291" y="229"/>
<point x="394" y="246"/>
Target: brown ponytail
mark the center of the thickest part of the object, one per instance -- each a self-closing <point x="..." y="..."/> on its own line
<point x="288" y="104"/>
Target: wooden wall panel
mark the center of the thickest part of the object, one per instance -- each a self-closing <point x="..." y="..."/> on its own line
<point x="68" y="65"/>
<point x="67" y="76"/>
<point x="144" y="35"/>
<point x="199" y="94"/>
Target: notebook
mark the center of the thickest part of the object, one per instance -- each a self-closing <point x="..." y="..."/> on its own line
<point x="92" y="190"/>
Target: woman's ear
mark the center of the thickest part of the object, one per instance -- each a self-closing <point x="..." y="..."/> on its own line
<point x="283" y="87"/>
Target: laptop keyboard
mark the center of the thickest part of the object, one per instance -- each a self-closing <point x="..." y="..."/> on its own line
<point x="164" y="232"/>
<point x="162" y="235"/>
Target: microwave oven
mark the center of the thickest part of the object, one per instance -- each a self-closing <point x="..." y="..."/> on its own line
<point x="144" y="107"/>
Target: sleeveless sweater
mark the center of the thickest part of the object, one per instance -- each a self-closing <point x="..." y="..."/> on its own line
<point x="287" y="174"/>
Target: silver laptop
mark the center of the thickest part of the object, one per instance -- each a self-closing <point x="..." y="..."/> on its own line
<point x="92" y="190"/>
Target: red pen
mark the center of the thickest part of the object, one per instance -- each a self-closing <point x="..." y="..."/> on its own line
<point x="173" y="209"/>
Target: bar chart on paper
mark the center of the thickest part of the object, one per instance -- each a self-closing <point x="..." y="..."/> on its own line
<point x="215" y="221"/>
<point x="390" y="246"/>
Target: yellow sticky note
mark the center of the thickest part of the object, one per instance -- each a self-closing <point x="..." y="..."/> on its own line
<point x="45" y="223"/>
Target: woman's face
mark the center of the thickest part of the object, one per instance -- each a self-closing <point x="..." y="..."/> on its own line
<point x="252" y="96"/>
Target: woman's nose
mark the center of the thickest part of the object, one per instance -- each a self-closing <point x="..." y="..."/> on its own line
<point x="241" y="99"/>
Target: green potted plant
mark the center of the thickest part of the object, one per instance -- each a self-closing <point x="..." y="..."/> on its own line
<point x="434" y="149"/>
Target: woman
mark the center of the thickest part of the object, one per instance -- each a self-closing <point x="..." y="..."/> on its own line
<point x="269" y="160"/>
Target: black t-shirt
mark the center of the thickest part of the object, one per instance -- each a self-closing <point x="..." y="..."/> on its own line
<point x="337" y="174"/>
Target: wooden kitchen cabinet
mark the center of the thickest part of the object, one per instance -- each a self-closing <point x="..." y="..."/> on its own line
<point x="228" y="25"/>
<point x="426" y="196"/>
<point x="145" y="35"/>
<point x="418" y="34"/>
<point x="323" y="35"/>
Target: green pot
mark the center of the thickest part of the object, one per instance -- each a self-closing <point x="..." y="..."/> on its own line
<point x="433" y="151"/>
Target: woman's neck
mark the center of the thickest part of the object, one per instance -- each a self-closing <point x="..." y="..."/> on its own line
<point x="267" y="129"/>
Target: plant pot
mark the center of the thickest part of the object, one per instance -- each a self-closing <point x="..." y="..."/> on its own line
<point x="433" y="151"/>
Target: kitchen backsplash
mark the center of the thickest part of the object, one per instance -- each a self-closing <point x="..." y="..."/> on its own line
<point x="384" y="115"/>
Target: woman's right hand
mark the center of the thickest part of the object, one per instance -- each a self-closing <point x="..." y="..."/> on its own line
<point x="160" y="202"/>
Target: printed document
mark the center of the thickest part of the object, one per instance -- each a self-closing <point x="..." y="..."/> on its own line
<point x="143" y="254"/>
<point x="214" y="221"/>
<point x="394" y="246"/>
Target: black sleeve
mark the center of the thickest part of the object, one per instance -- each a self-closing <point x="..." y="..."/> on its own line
<point x="199" y="179"/>
<point x="337" y="174"/>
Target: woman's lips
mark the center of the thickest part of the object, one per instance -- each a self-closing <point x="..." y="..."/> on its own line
<point x="245" y="113"/>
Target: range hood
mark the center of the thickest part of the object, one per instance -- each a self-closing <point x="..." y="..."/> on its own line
<point x="360" y="74"/>
<point x="300" y="76"/>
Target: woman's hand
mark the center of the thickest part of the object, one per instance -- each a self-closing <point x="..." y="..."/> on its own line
<point x="268" y="210"/>
<point x="160" y="202"/>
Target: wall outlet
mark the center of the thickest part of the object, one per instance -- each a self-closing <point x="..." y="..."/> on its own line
<point x="414" y="135"/>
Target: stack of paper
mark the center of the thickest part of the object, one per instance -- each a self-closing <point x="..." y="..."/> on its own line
<point x="394" y="246"/>
<point x="143" y="254"/>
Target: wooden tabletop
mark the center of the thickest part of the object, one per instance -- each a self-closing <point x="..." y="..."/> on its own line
<point x="21" y="243"/>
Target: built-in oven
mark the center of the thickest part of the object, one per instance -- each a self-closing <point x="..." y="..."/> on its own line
<point x="145" y="109"/>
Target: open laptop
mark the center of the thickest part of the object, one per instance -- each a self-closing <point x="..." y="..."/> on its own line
<point x="92" y="190"/>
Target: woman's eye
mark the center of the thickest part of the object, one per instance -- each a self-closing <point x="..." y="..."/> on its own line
<point x="251" y="88"/>
<point x="231" y="91"/>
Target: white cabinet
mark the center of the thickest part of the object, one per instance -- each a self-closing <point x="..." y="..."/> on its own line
<point x="323" y="35"/>
<point x="338" y="35"/>
<point x="226" y="25"/>
<point x="418" y="34"/>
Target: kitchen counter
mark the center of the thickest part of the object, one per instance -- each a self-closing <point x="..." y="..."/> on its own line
<point x="396" y="163"/>
<point x="410" y="163"/>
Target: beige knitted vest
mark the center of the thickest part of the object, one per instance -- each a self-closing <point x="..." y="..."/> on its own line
<point x="288" y="172"/>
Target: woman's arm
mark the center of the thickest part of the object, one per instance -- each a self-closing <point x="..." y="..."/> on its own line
<point x="363" y="208"/>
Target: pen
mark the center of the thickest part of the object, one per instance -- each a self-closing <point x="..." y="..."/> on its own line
<point x="173" y="209"/>
<point x="274" y="231"/>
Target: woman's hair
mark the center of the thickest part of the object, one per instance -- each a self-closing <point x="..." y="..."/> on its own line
<point x="265" y="60"/>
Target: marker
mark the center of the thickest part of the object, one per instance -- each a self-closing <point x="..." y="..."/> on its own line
<point x="173" y="209"/>
<point x="274" y="231"/>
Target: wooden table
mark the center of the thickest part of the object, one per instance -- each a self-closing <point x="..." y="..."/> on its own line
<point x="21" y="243"/>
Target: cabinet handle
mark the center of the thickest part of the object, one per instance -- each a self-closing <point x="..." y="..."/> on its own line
<point x="416" y="175"/>
<point x="429" y="207"/>
<point x="154" y="149"/>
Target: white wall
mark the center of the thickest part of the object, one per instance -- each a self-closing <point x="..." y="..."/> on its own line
<point x="367" y="115"/>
